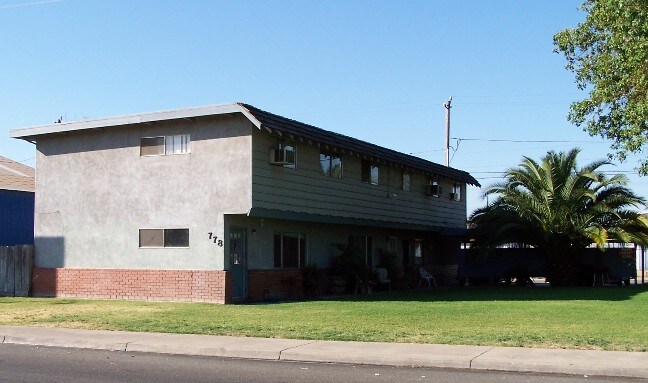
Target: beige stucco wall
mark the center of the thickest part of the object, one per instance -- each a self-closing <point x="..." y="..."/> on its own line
<point x="95" y="191"/>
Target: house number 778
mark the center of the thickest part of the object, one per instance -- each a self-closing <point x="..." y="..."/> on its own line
<point x="218" y="242"/>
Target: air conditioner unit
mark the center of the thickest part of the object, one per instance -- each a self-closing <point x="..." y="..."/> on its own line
<point x="455" y="196"/>
<point x="282" y="157"/>
<point x="433" y="190"/>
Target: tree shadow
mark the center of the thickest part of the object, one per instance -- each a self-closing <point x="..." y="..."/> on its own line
<point x="486" y="294"/>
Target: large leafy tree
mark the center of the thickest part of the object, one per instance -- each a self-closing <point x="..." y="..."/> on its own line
<point x="560" y="208"/>
<point x="608" y="53"/>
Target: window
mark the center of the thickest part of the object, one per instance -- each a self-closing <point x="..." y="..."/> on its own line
<point x="331" y="165"/>
<point x="178" y="144"/>
<point x="164" y="238"/>
<point x="370" y="172"/>
<point x="456" y="192"/>
<point x="165" y="145"/>
<point x="289" y="250"/>
<point x="418" y="252"/>
<point x="284" y="154"/>
<point x="392" y="243"/>
<point x="152" y="146"/>
<point x="412" y="252"/>
<point x="406" y="181"/>
<point x="434" y="188"/>
<point x="362" y="243"/>
<point x="289" y="147"/>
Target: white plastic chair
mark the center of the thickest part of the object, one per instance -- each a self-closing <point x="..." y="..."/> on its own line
<point x="427" y="276"/>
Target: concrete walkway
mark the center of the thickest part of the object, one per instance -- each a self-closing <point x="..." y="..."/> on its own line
<point x="577" y="362"/>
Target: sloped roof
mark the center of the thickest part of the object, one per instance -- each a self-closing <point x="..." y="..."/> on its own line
<point x="309" y="132"/>
<point x="16" y="176"/>
<point x="260" y="119"/>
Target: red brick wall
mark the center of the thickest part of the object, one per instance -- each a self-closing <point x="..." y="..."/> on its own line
<point x="153" y="285"/>
<point x="274" y="284"/>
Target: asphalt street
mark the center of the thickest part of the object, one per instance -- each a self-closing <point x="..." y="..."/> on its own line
<point x="22" y="363"/>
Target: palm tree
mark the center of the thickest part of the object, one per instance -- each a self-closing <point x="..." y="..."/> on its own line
<point x="559" y="208"/>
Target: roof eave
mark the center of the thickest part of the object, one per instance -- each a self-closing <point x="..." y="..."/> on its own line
<point x="175" y="114"/>
<point x="17" y="189"/>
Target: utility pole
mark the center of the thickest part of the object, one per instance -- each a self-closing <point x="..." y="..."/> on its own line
<point x="447" y="143"/>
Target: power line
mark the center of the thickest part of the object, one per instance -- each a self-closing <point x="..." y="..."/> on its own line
<point x="610" y="171"/>
<point x="513" y="141"/>
<point x="509" y="149"/>
<point x="526" y="141"/>
<point x="428" y="151"/>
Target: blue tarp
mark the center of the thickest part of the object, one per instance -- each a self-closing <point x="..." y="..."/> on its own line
<point x="16" y="218"/>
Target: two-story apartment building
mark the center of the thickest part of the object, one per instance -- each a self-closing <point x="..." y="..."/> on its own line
<point x="225" y="203"/>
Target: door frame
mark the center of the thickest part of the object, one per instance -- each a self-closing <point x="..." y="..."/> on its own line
<point x="236" y="282"/>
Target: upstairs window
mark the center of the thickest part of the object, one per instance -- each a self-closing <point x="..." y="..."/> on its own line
<point x="330" y="165"/>
<point x="165" y="145"/>
<point x="291" y="153"/>
<point x="434" y="188"/>
<point x="152" y="146"/>
<point x="177" y="144"/>
<point x="284" y="155"/>
<point x="456" y="192"/>
<point x="370" y="172"/>
<point x="406" y="186"/>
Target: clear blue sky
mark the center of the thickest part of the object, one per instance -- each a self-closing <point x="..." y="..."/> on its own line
<point x="375" y="70"/>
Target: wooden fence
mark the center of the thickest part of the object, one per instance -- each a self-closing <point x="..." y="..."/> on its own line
<point x="15" y="270"/>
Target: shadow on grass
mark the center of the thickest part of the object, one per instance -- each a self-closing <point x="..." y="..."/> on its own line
<point x="459" y="294"/>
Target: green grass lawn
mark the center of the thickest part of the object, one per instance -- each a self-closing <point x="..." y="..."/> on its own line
<point x="582" y="318"/>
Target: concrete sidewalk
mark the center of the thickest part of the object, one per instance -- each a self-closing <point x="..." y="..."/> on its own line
<point x="578" y="362"/>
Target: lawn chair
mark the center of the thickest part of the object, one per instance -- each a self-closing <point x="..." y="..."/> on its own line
<point x="383" y="277"/>
<point x="428" y="277"/>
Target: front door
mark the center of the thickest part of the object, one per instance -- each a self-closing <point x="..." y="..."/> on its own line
<point x="238" y="263"/>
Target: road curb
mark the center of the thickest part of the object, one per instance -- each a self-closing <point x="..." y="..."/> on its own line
<point x="560" y="361"/>
<point x="390" y="354"/>
<point x="571" y="362"/>
<point x="220" y="346"/>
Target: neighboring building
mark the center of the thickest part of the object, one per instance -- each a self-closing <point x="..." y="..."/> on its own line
<point x="226" y="203"/>
<point x="16" y="203"/>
